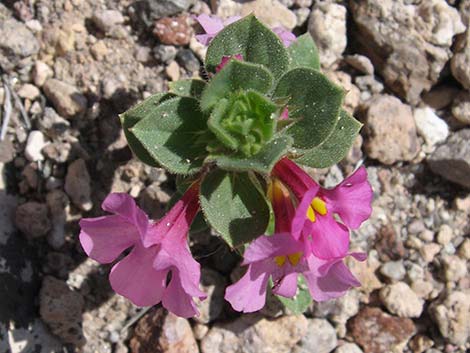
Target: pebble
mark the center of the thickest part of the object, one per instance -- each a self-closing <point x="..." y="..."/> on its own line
<point x="464" y="249"/>
<point x="67" y="99"/>
<point x="29" y="91"/>
<point x="61" y="309"/>
<point x="320" y="338"/>
<point x="393" y="270"/>
<point x="160" y="331"/>
<point x="213" y="284"/>
<point x="173" y="30"/>
<point x="433" y="129"/>
<point x="378" y="332"/>
<point x="159" y="9"/>
<point x="461" y="108"/>
<point x="451" y="316"/>
<point x="105" y="20"/>
<point x="454" y="268"/>
<point x="58" y="204"/>
<point x="41" y="72"/>
<point x="361" y="63"/>
<point x="52" y="123"/>
<point x="348" y="348"/>
<point x="460" y="63"/>
<point x="252" y="333"/>
<point x="188" y="60"/>
<point x="165" y="53"/>
<point x="452" y="159"/>
<point x="390" y="130"/>
<point x="420" y="343"/>
<point x="429" y="251"/>
<point x="173" y="71"/>
<point x="445" y="234"/>
<point x="34" y="145"/>
<point x="327" y="25"/>
<point x="32" y="219"/>
<point x="78" y="185"/>
<point x="399" y="299"/>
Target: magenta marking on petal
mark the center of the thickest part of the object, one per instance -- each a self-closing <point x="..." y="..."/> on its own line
<point x="294" y="177"/>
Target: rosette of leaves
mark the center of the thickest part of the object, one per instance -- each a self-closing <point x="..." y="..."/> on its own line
<point x="228" y="130"/>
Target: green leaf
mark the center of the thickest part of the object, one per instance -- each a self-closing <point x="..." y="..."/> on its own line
<point x="304" y="53"/>
<point x="235" y="75"/>
<point x="254" y="41"/>
<point x="314" y="102"/>
<point x="262" y="162"/>
<point x="301" y="301"/>
<point x="234" y="206"/>
<point x="336" y="146"/>
<point x="133" y="116"/>
<point x="188" y="88"/>
<point x="171" y="134"/>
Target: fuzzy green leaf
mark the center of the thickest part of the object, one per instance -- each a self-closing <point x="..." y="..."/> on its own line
<point x="188" y="88"/>
<point x="254" y="41"/>
<point x="171" y="134"/>
<point x="262" y="162"/>
<point x="313" y="101"/>
<point x="234" y="206"/>
<point x="133" y="116"/>
<point x="304" y="53"/>
<point x="301" y="301"/>
<point x="235" y="75"/>
<point x="336" y="146"/>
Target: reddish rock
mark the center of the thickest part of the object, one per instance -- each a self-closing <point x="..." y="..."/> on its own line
<point x="389" y="245"/>
<point x="378" y="332"/>
<point x="173" y="30"/>
<point x="160" y="331"/>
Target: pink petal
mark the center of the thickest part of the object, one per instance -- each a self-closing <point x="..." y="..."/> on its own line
<point x="225" y="60"/>
<point x="285" y="36"/>
<point x="177" y="301"/>
<point x="249" y="293"/>
<point x="330" y="239"/>
<point x="231" y="20"/>
<point x="333" y="285"/>
<point x="204" y="39"/>
<point x="105" y="238"/>
<point x="135" y="278"/>
<point x="123" y="205"/>
<point x="287" y="287"/>
<point x="211" y="24"/>
<point x="284" y="114"/>
<point x="294" y="177"/>
<point x="266" y="247"/>
<point x="351" y="199"/>
<point x="300" y="219"/>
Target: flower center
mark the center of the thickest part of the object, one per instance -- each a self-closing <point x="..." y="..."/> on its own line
<point x="293" y="259"/>
<point x="318" y="206"/>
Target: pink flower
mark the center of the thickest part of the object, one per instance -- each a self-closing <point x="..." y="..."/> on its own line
<point x="283" y="258"/>
<point x="286" y="37"/>
<point x="212" y="25"/>
<point x="158" y="249"/>
<point x="314" y="218"/>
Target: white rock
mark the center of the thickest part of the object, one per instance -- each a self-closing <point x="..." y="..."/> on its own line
<point x="433" y="129"/>
<point x="41" y="73"/>
<point x="29" y="91"/>
<point x="400" y="299"/>
<point x="107" y="19"/>
<point x="348" y="348"/>
<point x="320" y="338"/>
<point x="35" y="143"/>
<point x="327" y="25"/>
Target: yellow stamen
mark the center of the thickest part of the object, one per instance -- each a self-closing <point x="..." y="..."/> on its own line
<point x="280" y="260"/>
<point x="294" y="258"/>
<point x="319" y="205"/>
<point x="311" y="214"/>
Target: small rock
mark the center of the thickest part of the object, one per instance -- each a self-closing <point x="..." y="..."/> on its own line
<point x="445" y="234"/>
<point x="32" y="219"/>
<point x="173" y="71"/>
<point x="464" y="249"/>
<point x="389" y="244"/>
<point x="252" y="333"/>
<point x="348" y="348"/>
<point x="454" y="267"/>
<point x="420" y="343"/>
<point x="460" y="63"/>
<point x="429" y="251"/>
<point x="165" y="53"/>
<point x="159" y="9"/>
<point x="400" y="299"/>
<point x="440" y="96"/>
<point x="61" y="309"/>
<point x="452" y="159"/>
<point x="391" y="131"/>
<point x="361" y="63"/>
<point x="352" y="98"/>
<point x="34" y="145"/>
<point x="433" y="129"/>
<point x="461" y="108"/>
<point x="77" y="185"/>
<point x="66" y="98"/>
<point x="105" y="20"/>
<point x="17" y="43"/>
<point x="52" y="123"/>
<point x="394" y="270"/>
<point x="378" y="332"/>
<point x="327" y="25"/>
<point x="320" y="338"/>
<point x="173" y="30"/>
<point x="99" y="50"/>
<point x="213" y="284"/>
<point x="451" y="316"/>
<point x="188" y="60"/>
<point x="41" y="72"/>
<point x="270" y="12"/>
<point x="58" y="203"/>
<point x="29" y="91"/>
<point x="161" y="331"/>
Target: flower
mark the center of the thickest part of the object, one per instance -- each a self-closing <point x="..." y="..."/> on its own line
<point x="283" y="257"/>
<point x="314" y="218"/>
<point x="159" y="267"/>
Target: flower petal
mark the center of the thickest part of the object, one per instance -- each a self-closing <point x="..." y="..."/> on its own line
<point x="135" y="278"/>
<point x="294" y="177"/>
<point x="330" y="239"/>
<point x="351" y="199"/>
<point x="176" y="300"/>
<point x="285" y="36"/>
<point x="265" y="247"/>
<point x="287" y="286"/>
<point x="211" y="24"/>
<point x="300" y="220"/>
<point x="249" y="293"/>
<point x="124" y="205"/>
<point x="105" y="238"/>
